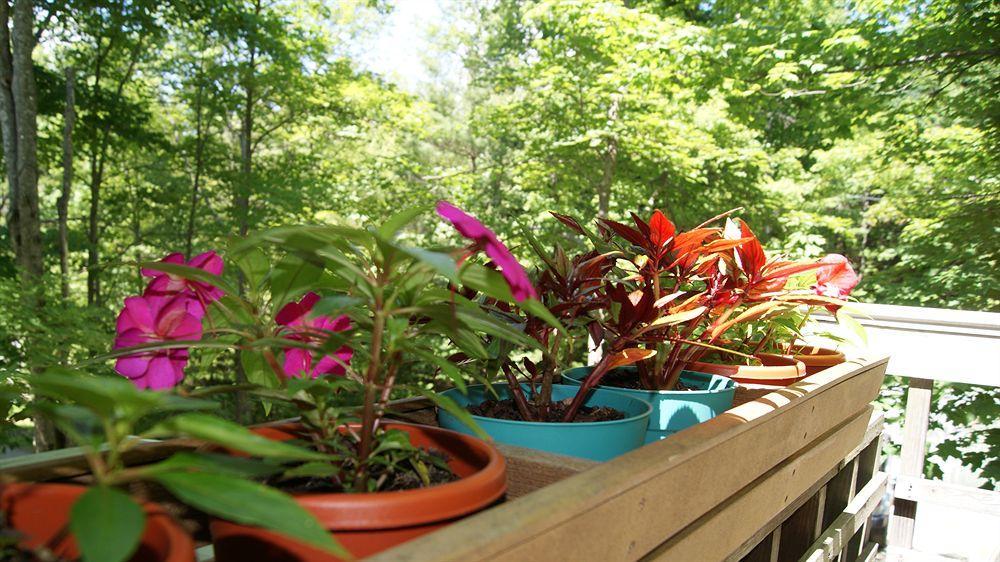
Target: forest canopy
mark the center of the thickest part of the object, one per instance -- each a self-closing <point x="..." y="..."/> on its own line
<point x="865" y="127"/>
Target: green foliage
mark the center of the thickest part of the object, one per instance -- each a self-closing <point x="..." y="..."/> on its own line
<point x="866" y="128"/>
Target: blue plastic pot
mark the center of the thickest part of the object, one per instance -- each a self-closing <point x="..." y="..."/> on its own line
<point x="597" y="441"/>
<point x="674" y="410"/>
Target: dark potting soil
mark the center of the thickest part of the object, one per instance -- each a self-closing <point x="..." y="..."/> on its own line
<point x="631" y="381"/>
<point x="393" y="481"/>
<point x="507" y="410"/>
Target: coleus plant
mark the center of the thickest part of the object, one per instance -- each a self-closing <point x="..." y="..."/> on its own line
<point x="713" y="278"/>
<point x="333" y="319"/>
<point x="657" y="298"/>
<point x="106" y="417"/>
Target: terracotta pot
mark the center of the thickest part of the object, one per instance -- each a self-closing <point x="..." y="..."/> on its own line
<point x="817" y="358"/>
<point x="777" y="370"/>
<point x="369" y="523"/>
<point x="41" y="511"/>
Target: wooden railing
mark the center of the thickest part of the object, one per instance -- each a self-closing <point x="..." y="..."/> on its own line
<point x="928" y="345"/>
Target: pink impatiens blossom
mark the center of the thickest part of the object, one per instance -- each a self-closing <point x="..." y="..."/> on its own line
<point x="300" y="326"/>
<point x="486" y="240"/>
<point x="152" y="319"/>
<point x="165" y="284"/>
<point x="836" y="279"/>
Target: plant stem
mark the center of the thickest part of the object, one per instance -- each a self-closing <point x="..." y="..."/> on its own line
<point x="592" y="380"/>
<point x="368" y="415"/>
<point x="517" y="394"/>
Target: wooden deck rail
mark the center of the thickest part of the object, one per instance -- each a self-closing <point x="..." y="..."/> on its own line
<point x="928" y="345"/>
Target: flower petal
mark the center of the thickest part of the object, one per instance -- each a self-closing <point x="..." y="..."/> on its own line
<point x="132" y="366"/>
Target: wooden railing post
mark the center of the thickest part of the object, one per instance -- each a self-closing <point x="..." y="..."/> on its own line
<point x="918" y="408"/>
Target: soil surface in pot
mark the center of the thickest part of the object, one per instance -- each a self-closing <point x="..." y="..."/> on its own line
<point x="507" y="410"/>
<point x="394" y="481"/>
<point x="631" y="381"/>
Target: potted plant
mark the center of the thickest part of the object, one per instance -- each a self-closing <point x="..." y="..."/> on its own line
<point x="652" y="288"/>
<point x="531" y="410"/>
<point x="101" y="522"/>
<point x="340" y="322"/>
<point x="681" y="297"/>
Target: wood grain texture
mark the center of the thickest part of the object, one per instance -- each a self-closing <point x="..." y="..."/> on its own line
<point x="721" y="531"/>
<point x="636" y="502"/>
<point x="917" y="417"/>
<point x="845" y="526"/>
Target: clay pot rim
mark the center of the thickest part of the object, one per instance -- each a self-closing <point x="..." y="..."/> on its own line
<point x="776" y="369"/>
<point x="405" y="508"/>
<point x="817" y="355"/>
<point x="181" y="543"/>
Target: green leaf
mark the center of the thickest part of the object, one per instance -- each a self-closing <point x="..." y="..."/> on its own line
<point x="107" y="524"/>
<point x="463" y="415"/>
<point x="447" y="367"/>
<point x="855" y="327"/>
<point x="493" y="285"/>
<point x="439" y="262"/>
<point x="233" y="436"/>
<point x="185" y="461"/>
<point x="291" y="277"/>
<point x="400" y="220"/>
<point x="193" y="274"/>
<point x="102" y="395"/>
<point x="312" y="470"/>
<point x="257" y="370"/>
<point x="247" y="502"/>
<point x="255" y="266"/>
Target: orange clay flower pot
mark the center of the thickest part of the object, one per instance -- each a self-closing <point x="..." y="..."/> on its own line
<point x="817" y="358"/>
<point x="776" y="370"/>
<point x="369" y="523"/>
<point x="41" y="513"/>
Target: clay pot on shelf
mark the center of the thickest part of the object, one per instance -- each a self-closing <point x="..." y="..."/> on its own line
<point x="774" y="370"/>
<point x="40" y="512"/>
<point x="368" y="523"/>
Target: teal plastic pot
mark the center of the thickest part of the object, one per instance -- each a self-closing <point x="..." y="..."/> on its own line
<point x="597" y="441"/>
<point x="674" y="410"/>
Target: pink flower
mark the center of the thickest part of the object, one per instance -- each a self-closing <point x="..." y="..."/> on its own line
<point x="165" y="284"/>
<point x="295" y="316"/>
<point x="837" y="279"/>
<point x="151" y="319"/>
<point x="485" y="239"/>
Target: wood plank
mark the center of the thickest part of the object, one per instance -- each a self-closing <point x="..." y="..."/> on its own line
<point x="766" y="550"/>
<point x="839" y="492"/>
<point x="529" y="470"/>
<point x="870" y="552"/>
<point x="799" y="531"/>
<point x="638" y="500"/>
<point x="836" y="537"/>
<point x="918" y="489"/>
<point x="722" y="530"/>
<point x="917" y="417"/>
<point x="875" y="427"/>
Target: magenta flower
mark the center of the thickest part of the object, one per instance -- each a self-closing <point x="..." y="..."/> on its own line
<point x="165" y="284"/>
<point x="300" y="326"/>
<point x="146" y="320"/>
<point x="486" y="240"/>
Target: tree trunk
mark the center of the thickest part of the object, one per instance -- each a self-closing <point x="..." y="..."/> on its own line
<point x="199" y="160"/>
<point x="9" y="128"/>
<point x="98" y="159"/>
<point x="19" y="125"/>
<point x="245" y="185"/>
<point x="62" y="204"/>
<point x="609" y="160"/>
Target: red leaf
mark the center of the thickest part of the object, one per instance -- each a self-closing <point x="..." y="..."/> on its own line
<point x="568" y="221"/>
<point x="629" y="356"/>
<point x="751" y="253"/>
<point x="661" y="230"/>
<point x="628" y="233"/>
